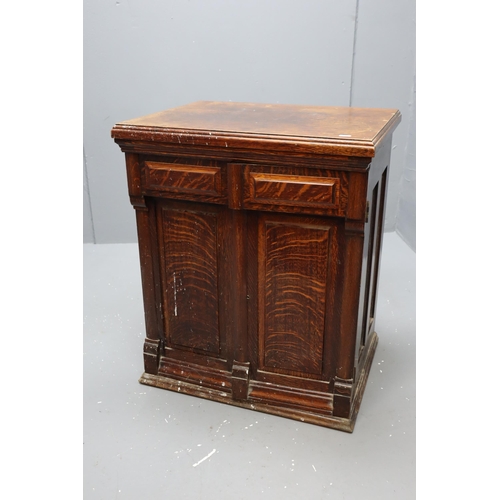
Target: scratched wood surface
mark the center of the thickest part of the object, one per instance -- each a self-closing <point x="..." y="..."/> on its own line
<point x="190" y="255"/>
<point x="362" y="124"/>
<point x="341" y="130"/>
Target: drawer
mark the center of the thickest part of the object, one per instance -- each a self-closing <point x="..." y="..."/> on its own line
<point x="293" y="189"/>
<point x="297" y="189"/>
<point x="175" y="178"/>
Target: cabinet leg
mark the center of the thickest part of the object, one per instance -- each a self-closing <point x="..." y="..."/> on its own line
<point x="151" y="356"/>
<point x="342" y="397"/>
<point x="239" y="380"/>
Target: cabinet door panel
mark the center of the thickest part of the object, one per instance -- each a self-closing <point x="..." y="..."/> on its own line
<point x="296" y="272"/>
<point x="190" y="242"/>
<point x="293" y="288"/>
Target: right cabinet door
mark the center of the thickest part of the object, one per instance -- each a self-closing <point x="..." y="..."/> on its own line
<point x="294" y="308"/>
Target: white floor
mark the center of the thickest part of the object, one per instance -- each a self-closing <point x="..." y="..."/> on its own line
<point x="147" y="443"/>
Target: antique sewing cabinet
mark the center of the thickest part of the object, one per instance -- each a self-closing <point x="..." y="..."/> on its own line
<point x="260" y="230"/>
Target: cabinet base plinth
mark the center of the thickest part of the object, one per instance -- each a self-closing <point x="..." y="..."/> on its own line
<point x="343" y="424"/>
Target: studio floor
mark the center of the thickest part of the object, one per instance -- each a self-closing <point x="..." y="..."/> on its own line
<point x="144" y="443"/>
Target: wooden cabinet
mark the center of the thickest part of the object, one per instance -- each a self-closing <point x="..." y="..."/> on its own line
<point x="260" y="229"/>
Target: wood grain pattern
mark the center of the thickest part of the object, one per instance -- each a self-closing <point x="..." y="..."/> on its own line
<point x="345" y="342"/>
<point x="148" y="254"/>
<point x="195" y="373"/>
<point x="183" y="178"/>
<point x="293" y="288"/>
<point x="307" y="384"/>
<point x="343" y="130"/>
<point x="134" y="180"/>
<point x="190" y="248"/>
<point x="294" y="189"/>
<point x="221" y="396"/>
<point x="254" y="294"/>
<point x="280" y="154"/>
<point x="286" y="397"/>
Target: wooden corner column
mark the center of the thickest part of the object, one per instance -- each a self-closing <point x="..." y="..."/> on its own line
<point x="260" y="230"/>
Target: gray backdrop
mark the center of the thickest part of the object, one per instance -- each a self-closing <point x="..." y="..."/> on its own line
<point x="143" y="56"/>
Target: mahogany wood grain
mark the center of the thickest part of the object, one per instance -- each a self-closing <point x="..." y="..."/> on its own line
<point x="260" y="233"/>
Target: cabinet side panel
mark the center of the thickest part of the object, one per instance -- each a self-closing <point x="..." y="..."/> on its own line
<point x="190" y="281"/>
<point x="380" y="235"/>
<point x="295" y="273"/>
<point x="369" y="267"/>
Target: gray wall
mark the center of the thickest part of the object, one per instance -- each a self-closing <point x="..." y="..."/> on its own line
<point x="384" y="77"/>
<point x="407" y="201"/>
<point x="143" y="56"/>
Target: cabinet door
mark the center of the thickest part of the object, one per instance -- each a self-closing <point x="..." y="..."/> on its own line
<point x="192" y="245"/>
<point x="293" y="308"/>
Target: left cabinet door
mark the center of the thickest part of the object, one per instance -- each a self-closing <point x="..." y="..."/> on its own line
<point x="195" y="299"/>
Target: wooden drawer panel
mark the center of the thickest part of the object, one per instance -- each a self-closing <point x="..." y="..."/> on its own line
<point x="294" y="189"/>
<point x="178" y="178"/>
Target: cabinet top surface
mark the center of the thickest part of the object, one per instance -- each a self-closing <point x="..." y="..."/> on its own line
<point x="331" y="126"/>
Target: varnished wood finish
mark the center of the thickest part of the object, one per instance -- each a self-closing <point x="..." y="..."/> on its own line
<point x="190" y="279"/>
<point x="194" y="179"/>
<point x="293" y="189"/>
<point x="295" y="263"/>
<point x="258" y="260"/>
<point x="183" y="178"/>
<point x="345" y="131"/>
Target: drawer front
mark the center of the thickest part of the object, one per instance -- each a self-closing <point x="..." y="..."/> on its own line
<point x="183" y="180"/>
<point x="295" y="189"/>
